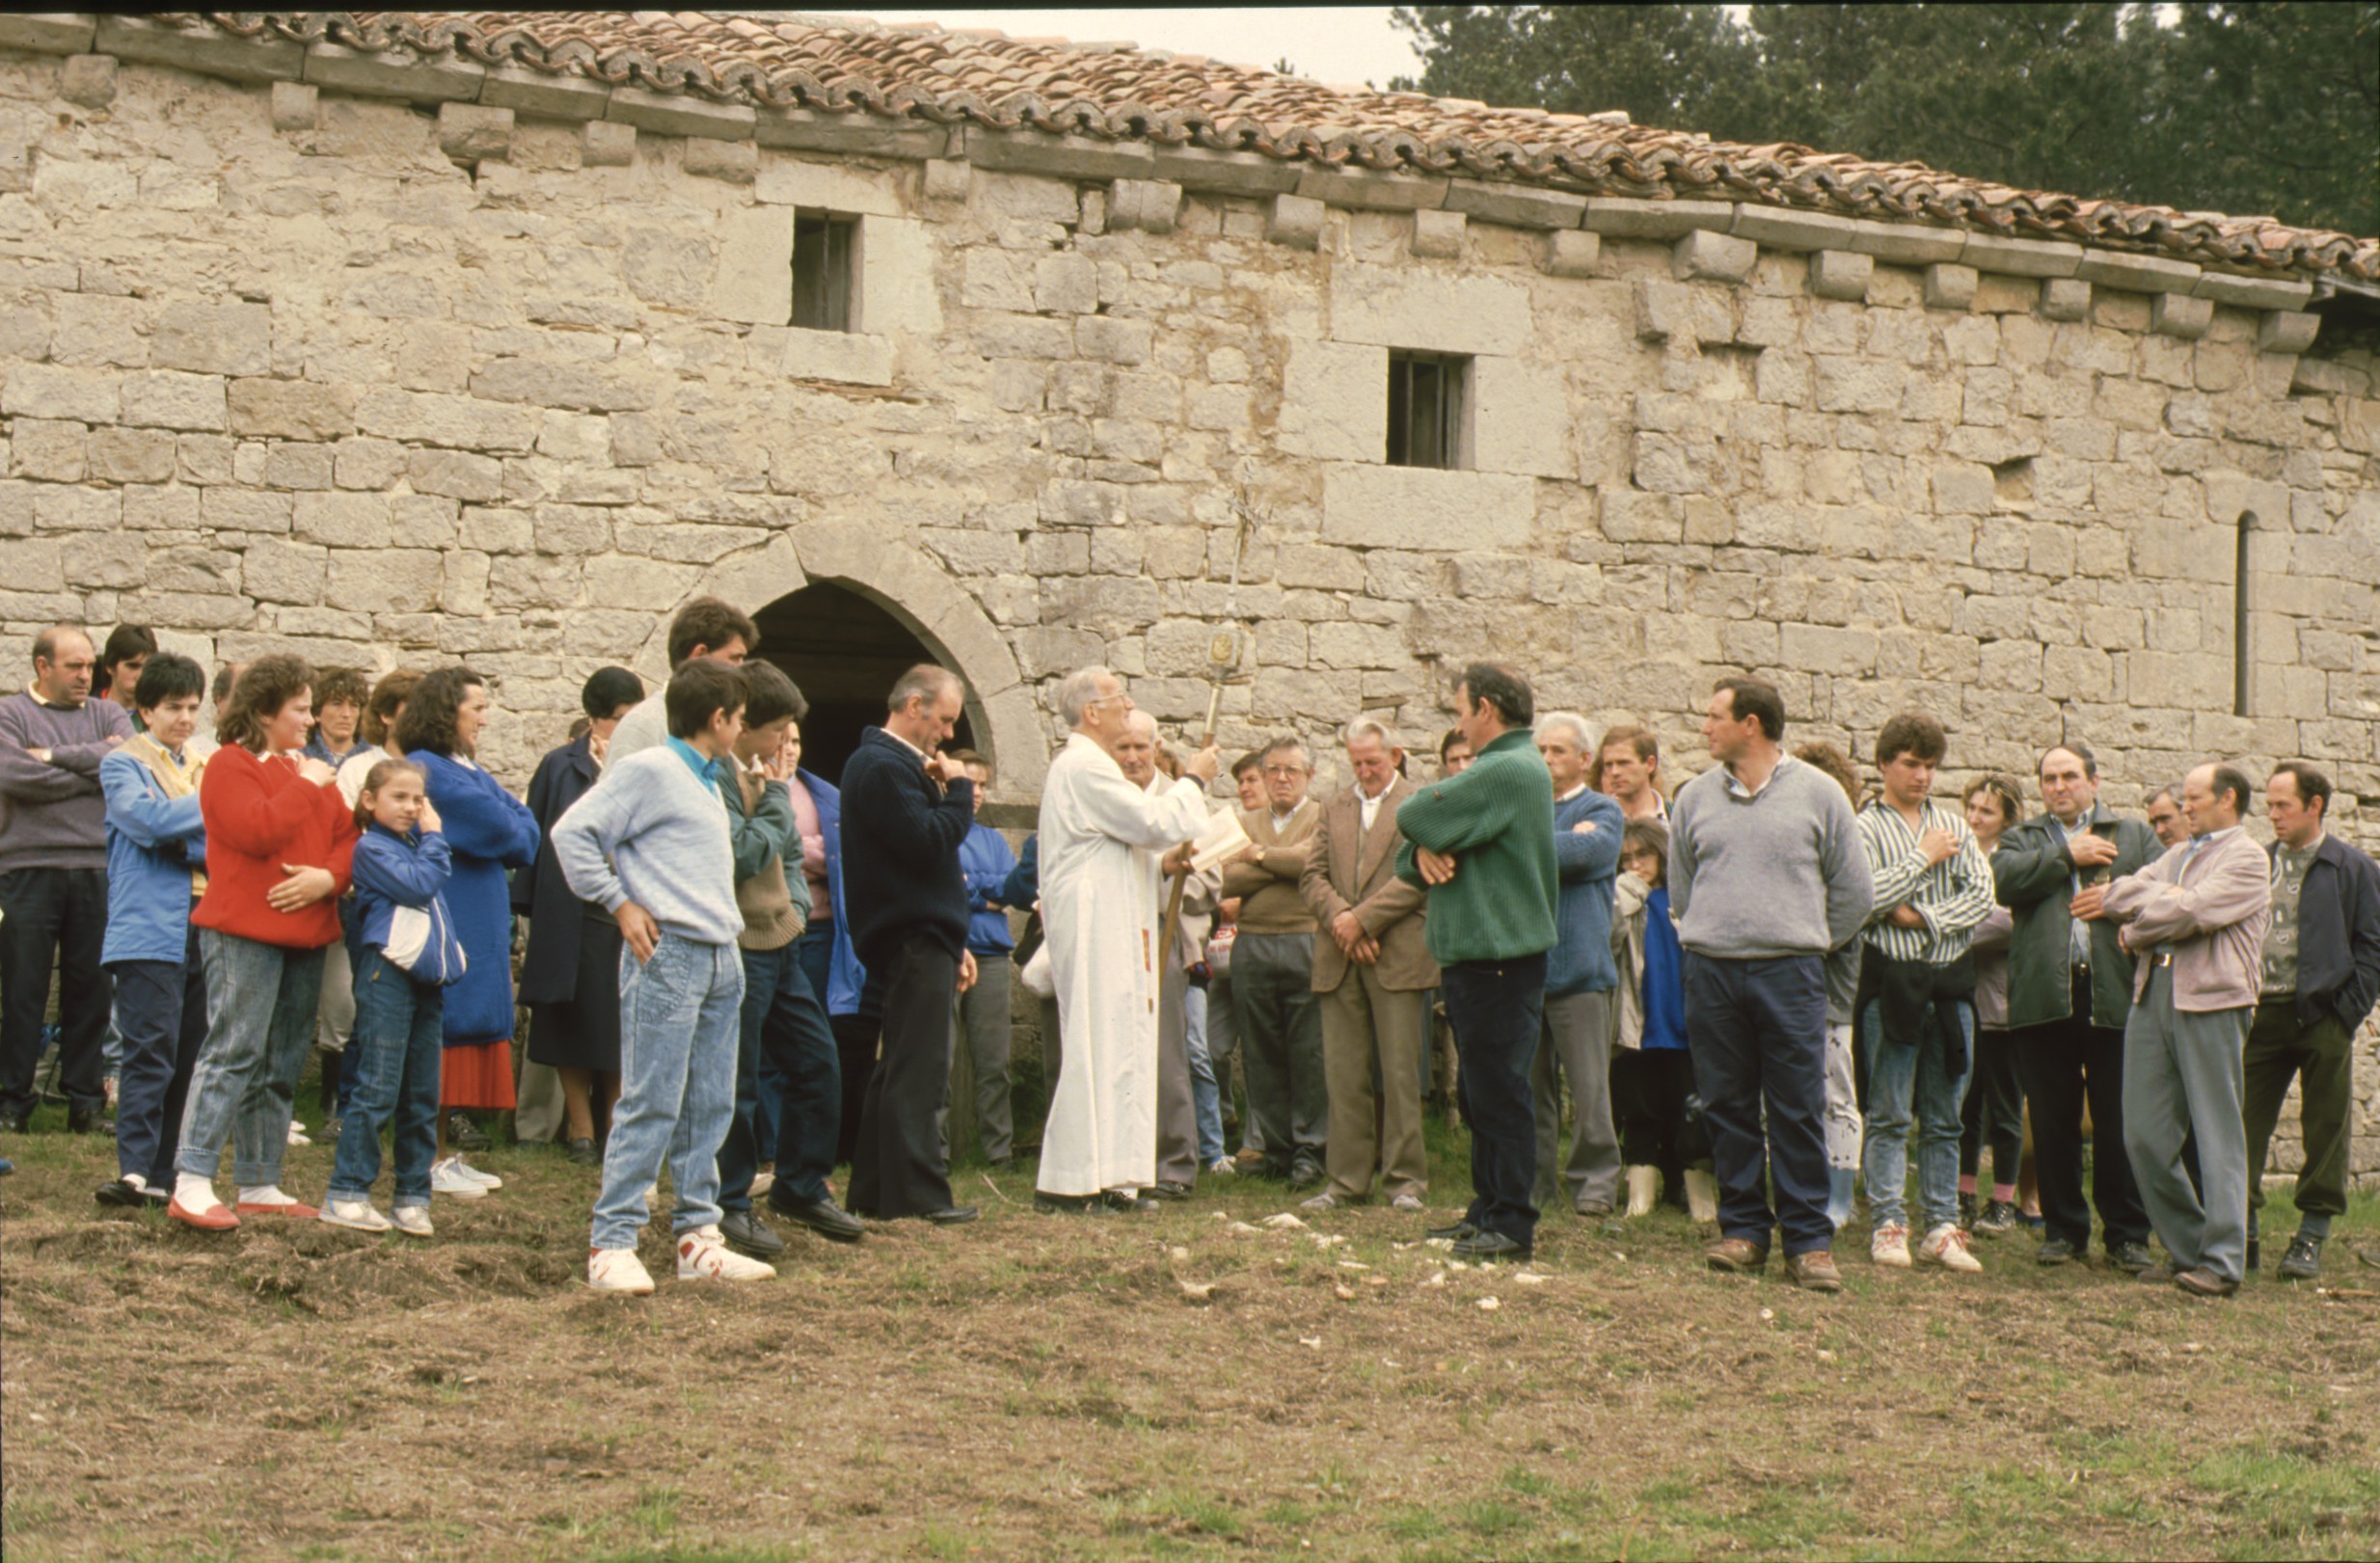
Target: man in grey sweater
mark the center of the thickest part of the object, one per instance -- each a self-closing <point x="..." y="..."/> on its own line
<point x="1766" y="877"/>
<point x="53" y="877"/>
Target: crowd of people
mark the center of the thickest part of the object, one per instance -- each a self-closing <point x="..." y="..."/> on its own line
<point x="1759" y="997"/>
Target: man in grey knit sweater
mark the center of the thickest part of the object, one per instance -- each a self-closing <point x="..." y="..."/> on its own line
<point x="1766" y="877"/>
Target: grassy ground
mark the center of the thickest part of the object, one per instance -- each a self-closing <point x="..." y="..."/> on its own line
<point x="1171" y="1384"/>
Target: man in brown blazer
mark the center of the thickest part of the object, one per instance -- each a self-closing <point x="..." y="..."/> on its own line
<point x="1272" y="971"/>
<point x="1372" y="974"/>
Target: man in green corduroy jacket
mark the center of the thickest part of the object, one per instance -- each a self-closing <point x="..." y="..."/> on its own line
<point x="1481" y="843"/>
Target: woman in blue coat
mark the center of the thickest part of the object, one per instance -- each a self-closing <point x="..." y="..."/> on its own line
<point x="488" y="831"/>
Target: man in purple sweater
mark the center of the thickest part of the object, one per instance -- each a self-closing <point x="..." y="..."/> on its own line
<point x="53" y="877"/>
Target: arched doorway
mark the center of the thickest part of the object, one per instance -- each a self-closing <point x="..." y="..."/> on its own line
<point x="844" y="650"/>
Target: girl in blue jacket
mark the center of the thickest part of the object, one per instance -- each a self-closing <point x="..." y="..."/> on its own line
<point x="410" y="953"/>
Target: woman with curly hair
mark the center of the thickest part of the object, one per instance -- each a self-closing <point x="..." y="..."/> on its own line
<point x="488" y="831"/>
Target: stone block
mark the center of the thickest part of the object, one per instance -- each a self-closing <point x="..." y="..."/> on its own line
<point x="474" y="133"/>
<point x="47" y="33"/>
<point x="48" y="391"/>
<point x="1438" y="236"/>
<point x="946" y="178"/>
<point x="1782" y="228"/>
<point x="1367" y="188"/>
<point x="2176" y="315"/>
<point x="1949" y="285"/>
<point x="1631" y="515"/>
<point x="1858" y="385"/>
<point x="386" y="580"/>
<point x="400" y="73"/>
<point x="1424" y="509"/>
<point x="214" y="339"/>
<point x="731" y="162"/>
<point x="1665" y="309"/>
<point x="126" y="455"/>
<point x="274" y="571"/>
<point x="1717" y="256"/>
<point x="536" y="95"/>
<point x="1231" y="174"/>
<point x="1334" y="402"/>
<point x="1514" y="205"/>
<point x="1150" y="205"/>
<point x="1908" y="244"/>
<point x="1064" y="156"/>
<point x="436" y="419"/>
<point x="1573" y="253"/>
<point x="1109" y="339"/>
<point x="159" y="509"/>
<point x="1432" y="311"/>
<point x="2138" y="274"/>
<point x="1519" y="419"/>
<point x="1295" y="221"/>
<point x="1622" y="217"/>
<point x="755" y="280"/>
<point x="1842" y="274"/>
<point x="455" y="475"/>
<point x="1064" y="284"/>
<point x="88" y="80"/>
<point x="2253" y="292"/>
<point x="246" y="510"/>
<point x="338" y="518"/>
<point x="607" y="144"/>
<point x="850" y="134"/>
<point x="674" y="114"/>
<point x="2287" y="331"/>
<point x="296" y="106"/>
<point x="2065" y="298"/>
<point x="199" y="50"/>
<point x="291" y="409"/>
<point x="2021" y="257"/>
<point x="169" y="399"/>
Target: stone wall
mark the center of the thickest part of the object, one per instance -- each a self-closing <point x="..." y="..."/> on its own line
<point x="284" y="369"/>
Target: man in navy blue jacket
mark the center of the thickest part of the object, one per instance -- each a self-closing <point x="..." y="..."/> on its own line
<point x="905" y="810"/>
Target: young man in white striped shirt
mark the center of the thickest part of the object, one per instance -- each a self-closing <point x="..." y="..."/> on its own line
<point x="1917" y="991"/>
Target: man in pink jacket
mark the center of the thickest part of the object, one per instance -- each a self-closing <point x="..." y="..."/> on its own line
<point x="2195" y="921"/>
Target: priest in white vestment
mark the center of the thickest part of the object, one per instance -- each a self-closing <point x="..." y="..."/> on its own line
<point x="1100" y="912"/>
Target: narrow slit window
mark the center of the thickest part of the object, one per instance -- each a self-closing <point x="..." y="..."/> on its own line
<point x="823" y="247"/>
<point x="1426" y="410"/>
<point x="2242" y="668"/>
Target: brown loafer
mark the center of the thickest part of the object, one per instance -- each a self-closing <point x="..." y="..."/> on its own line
<point x="2205" y="1283"/>
<point x="1737" y="1256"/>
<point x="1815" y="1271"/>
<point x="2160" y="1274"/>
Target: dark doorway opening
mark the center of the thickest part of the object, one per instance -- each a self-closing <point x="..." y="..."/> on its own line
<point x="846" y="651"/>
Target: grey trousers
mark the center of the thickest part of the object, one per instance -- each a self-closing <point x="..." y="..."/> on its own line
<point x="982" y="1027"/>
<point x="1281" y="1040"/>
<point x="261" y="1001"/>
<point x="1177" y="1108"/>
<point x="1364" y="1022"/>
<point x="1575" y="1045"/>
<point x="1222" y="1047"/>
<point x="2181" y="1077"/>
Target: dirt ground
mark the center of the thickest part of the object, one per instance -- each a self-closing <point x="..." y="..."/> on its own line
<point x="1165" y="1385"/>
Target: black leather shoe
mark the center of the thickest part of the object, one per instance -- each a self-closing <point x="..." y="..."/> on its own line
<point x="955" y="1216"/>
<point x="828" y="1219"/>
<point x="87" y="1120"/>
<point x="748" y="1233"/>
<point x="121" y="1194"/>
<point x="1491" y="1248"/>
<point x="463" y="1134"/>
<point x="1119" y="1199"/>
<point x="2055" y="1250"/>
<point x="1169" y="1191"/>
<point x="2303" y="1261"/>
<point x="1071" y="1204"/>
<point x="1460" y="1231"/>
<point x="583" y="1153"/>
<point x="2130" y="1257"/>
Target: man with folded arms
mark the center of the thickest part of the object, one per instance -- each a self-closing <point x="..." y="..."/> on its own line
<point x="2195" y="919"/>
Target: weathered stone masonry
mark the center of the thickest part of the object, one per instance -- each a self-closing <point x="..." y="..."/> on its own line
<point x="390" y="360"/>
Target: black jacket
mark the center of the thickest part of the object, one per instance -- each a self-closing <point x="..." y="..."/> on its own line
<point x="2338" y="935"/>
<point x="549" y="966"/>
<point x="901" y="836"/>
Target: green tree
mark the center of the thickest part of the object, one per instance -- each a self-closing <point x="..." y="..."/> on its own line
<point x="2242" y="108"/>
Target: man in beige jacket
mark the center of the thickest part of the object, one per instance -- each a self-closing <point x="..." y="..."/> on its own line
<point x="1372" y="974"/>
<point x="1272" y="971"/>
<point x="2195" y="922"/>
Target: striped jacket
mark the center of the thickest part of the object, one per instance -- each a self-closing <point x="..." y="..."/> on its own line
<point x="1953" y="896"/>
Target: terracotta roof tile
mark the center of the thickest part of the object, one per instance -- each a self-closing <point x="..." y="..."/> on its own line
<point x="1117" y="92"/>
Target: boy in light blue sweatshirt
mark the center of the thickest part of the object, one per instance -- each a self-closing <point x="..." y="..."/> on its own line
<point x="650" y="845"/>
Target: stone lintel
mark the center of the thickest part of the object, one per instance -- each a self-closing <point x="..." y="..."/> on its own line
<point x="1378" y="192"/>
<point x="1514" y="205"/>
<point x="1842" y="275"/>
<point x="1065" y="158"/>
<point x="667" y="115"/>
<point x="2021" y="257"/>
<point x="2253" y="292"/>
<point x="847" y="358"/>
<point x="806" y="130"/>
<point x="545" y="98"/>
<point x="1706" y="252"/>
<point x="1621" y="217"/>
<point x="1296" y="221"/>
<point x="2287" y="331"/>
<point x="1908" y="244"/>
<point x="201" y="50"/>
<point x="1781" y="228"/>
<point x="2178" y="315"/>
<point x="1225" y="174"/>
<point x="400" y="74"/>
<point x="2064" y="298"/>
<point x="1438" y="234"/>
<point x="1573" y="253"/>
<point x="48" y="32"/>
<point x="2138" y="274"/>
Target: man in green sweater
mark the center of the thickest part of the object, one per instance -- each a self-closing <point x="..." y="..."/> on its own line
<point x="1481" y="844"/>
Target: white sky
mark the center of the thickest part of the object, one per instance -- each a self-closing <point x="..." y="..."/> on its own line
<point x="1338" y="45"/>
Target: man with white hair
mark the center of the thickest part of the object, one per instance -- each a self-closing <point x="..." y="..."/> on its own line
<point x="1575" y="1043"/>
<point x="1099" y="907"/>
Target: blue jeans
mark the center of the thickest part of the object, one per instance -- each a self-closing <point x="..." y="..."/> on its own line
<point x="782" y="1033"/>
<point x="260" y="1004"/>
<point x="1205" y="1095"/>
<point x="393" y="1057"/>
<point x="1757" y="1031"/>
<point x="677" y="1085"/>
<point x="1498" y="1007"/>
<point x="1897" y="1079"/>
<point x="161" y="1015"/>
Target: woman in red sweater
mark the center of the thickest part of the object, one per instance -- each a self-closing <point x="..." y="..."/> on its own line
<point x="279" y="840"/>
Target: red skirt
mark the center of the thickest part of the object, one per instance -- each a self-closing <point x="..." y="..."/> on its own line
<point x="478" y="1075"/>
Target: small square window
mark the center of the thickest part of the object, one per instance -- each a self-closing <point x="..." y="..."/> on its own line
<point x="824" y="248"/>
<point x="1428" y="410"/>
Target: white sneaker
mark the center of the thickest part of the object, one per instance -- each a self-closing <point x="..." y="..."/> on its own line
<point x="1407" y="1201"/>
<point x="704" y="1255"/>
<point x="618" y="1271"/>
<point x="1890" y="1246"/>
<point x="355" y="1215"/>
<point x="1325" y="1201"/>
<point x="762" y="1182"/>
<point x="485" y="1179"/>
<point x="297" y="1134"/>
<point x="448" y="1178"/>
<point x="1222" y="1166"/>
<point x="1643" y="1190"/>
<point x="413" y="1221"/>
<point x="1947" y="1246"/>
<point x="1702" y="1194"/>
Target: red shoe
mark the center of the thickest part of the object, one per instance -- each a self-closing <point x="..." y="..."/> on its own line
<point x="293" y="1210"/>
<point x="214" y="1219"/>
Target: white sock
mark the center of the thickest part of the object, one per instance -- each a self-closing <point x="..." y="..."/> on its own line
<point x="137" y="1181"/>
<point x="268" y="1194"/>
<point x="194" y="1193"/>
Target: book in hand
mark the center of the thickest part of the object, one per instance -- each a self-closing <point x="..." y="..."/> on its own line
<point x="1221" y="841"/>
